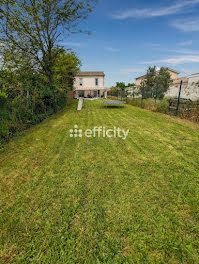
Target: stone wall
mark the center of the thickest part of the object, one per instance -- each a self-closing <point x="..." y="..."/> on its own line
<point x="190" y="90"/>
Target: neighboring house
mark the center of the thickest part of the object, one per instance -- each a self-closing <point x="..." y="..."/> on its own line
<point x="173" y="73"/>
<point x="90" y="85"/>
<point x="190" y="85"/>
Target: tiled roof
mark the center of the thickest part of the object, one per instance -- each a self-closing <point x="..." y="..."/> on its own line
<point x="184" y="79"/>
<point x="90" y="73"/>
<point x="158" y="71"/>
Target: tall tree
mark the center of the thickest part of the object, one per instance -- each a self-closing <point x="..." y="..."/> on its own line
<point x="66" y="66"/>
<point x="131" y="85"/>
<point x="150" y="82"/>
<point x="33" y="28"/>
<point x="121" y="85"/>
<point x="155" y="83"/>
<point x="163" y="82"/>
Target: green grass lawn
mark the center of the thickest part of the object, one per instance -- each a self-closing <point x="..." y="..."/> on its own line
<point x="101" y="200"/>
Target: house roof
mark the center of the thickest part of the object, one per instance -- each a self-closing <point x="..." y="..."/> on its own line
<point x="140" y="77"/>
<point x="158" y="70"/>
<point x="90" y="73"/>
<point x="176" y="81"/>
<point x="172" y="70"/>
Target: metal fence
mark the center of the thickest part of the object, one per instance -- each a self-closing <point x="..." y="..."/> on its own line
<point x="117" y="94"/>
<point x="183" y="108"/>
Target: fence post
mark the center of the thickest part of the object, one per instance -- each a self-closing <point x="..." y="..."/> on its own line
<point x="142" y="96"/>
<point x="178" y="102"/>
<point x="156" y="93"/>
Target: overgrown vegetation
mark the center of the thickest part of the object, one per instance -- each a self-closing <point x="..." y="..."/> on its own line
<point x="187" y="109"/>
<point x="36" y="71"/>
<point x="161" y="106"/>
<point x="26" y="97"/>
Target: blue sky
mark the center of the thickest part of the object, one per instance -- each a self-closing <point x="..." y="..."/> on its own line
<point x="130" y="35"/>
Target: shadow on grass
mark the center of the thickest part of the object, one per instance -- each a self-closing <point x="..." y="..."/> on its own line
<point x="112" y="106"/>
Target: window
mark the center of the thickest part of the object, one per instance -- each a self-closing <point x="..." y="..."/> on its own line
<point x="96" y="81"/>
<point x="80" y="81"/>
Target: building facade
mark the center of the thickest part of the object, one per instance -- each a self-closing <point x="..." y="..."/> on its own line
<point x="90" y="85"/>
<point x="173" y="90"/>
<point x="190" y="87"/>
<point x="192" y="91"/>
<point x="173" y="74"/>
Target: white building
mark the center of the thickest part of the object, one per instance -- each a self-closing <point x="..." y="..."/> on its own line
<point x="90" y="85"/>
<point x="190" y="87"/>
<point x="173" y="90"/>
<point x="193" y="87"/>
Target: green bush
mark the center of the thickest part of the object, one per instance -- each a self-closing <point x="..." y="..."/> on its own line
<point x="162" y="106"/>
<point x="136" y="102"/>
<point x="27" y="96"/>
<point x="3" y="99"/>
<point x="4" y="130"/>
<point x="19" y="113"/>
<point x="189" y="111"/>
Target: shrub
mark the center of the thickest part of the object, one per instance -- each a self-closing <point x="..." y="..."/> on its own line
<point x="162" y="106"/>
<point x="149" y="104"/>
<point x="190" y="110"/>
<point x="19" y="113"/>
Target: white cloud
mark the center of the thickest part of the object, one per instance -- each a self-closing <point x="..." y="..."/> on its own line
<point x="156" y="12"/>
<point x="185" y="51"/>
<point x="179" y="49"/>
<point x="188" y="71"/>
<point x="186" y="25"/>
<point x="175" y="60"/>
<point x="112" y="49"/>
<point x="186" y="43"/>
<point x="72" y="44"/>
